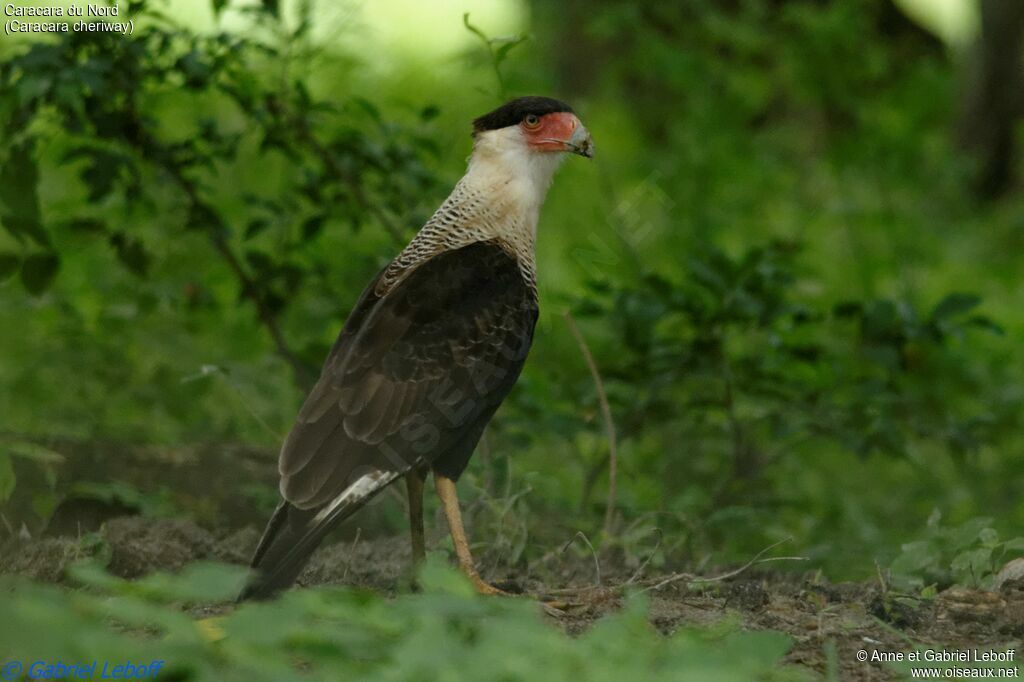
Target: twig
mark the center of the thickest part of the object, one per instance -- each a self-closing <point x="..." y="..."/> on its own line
<point x="10" y="528"/>
<point x="250" y="409"/>
<point x="636" y="574"/>
<point x="487" y="464"/>
<point x="881" y="578"/>
<point x="249" y="289"/>
<point x="352" y="550"/>
<point x="496" y="56"/>
<point x="675" y="577"/>
<point x="597" y="563"/>
<point x="331" y="163"/>
<point x="606" y="415"/>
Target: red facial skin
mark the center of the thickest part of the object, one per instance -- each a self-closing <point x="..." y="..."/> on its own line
<point x="552" y="132"/>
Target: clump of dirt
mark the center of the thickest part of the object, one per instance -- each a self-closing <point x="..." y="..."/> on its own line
<point x="43" y="560"/>
<point x="821" y="617"/>
<point x="382" y="564"/>
<point x="132" y="546"/>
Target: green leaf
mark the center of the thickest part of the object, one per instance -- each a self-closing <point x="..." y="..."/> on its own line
<point x="369" y="107"/>
<point x="19" y="200"/>
<point x="34" y="452"/>
<point x="218" y="6"/>
<point x="705" y="274"/>
<point x="968" y="533"/>
<point x="256" y="227"/>
<point x="954" y="304"/>
<point x="202" y="217"/>
<point x="313" y="226"/>
<point x="989" y="537"/>
<point x="9" y="263"/>
<point x="102" y="171"/>
<point x="38" y="272"/>
<point x="972" y="565"/>
<point x="986" y="323"/>
<point x="131" y="253"/>
<point x="260" y="262"/>
<point x="502" y="52"/>
<point x="1014" y="545"/>
<point x="7" y="477"/>
<point x="881" y="321"/>
<point x="44" y="503"/>
<point x="91" y="573"/>
<point x="201" y="581"/>
<point x="437" y="577"/>
<point x="87" y="225"/>
<point x="196" y="71"/>
<point x="848" y="309"/>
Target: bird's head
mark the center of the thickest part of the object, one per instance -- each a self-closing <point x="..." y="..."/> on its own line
<point x="539" y="125"/>
<point x="519" y="145"/>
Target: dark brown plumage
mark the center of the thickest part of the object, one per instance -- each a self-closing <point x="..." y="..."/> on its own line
<point x="412" y="380"/>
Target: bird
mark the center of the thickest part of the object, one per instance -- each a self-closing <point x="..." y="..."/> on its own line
<point x="429" y="351"/>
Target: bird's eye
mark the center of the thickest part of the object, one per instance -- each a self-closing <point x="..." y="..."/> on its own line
<point x="531" y="121"/>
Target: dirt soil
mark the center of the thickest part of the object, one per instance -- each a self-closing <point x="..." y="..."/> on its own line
<point x="853" y="616"/>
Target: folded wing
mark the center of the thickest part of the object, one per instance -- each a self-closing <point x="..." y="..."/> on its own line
<point x="412" y="380"/>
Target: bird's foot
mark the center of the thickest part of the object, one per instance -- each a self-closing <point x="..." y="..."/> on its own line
<point x="555" y="608"/>
<point x="485" y="588"/>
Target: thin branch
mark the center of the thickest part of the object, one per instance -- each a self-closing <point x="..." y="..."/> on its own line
<point x="640" y="570"/>
<point x="250" y="290"/>
<point x="352" y="549"/>
<point x="597" y="563"/>
<point x="675" y="577"/>
<point x="655" y="584"/>
<point x="606" y="415"/>
<point x="10" y="528"/>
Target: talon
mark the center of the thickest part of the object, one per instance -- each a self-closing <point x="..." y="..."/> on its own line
<point x="486" y="588"/>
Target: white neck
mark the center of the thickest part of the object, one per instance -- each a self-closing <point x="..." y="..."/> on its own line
<point x="504" y="166"/>
<point x="499" y="198"/>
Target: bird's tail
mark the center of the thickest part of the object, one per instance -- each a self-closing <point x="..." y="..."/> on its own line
<point x="293" y="534"/>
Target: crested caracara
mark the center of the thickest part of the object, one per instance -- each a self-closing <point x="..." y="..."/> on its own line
<point x="429" y="351"/>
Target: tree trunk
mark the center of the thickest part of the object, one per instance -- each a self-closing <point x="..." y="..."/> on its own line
<point x="994" y="95"/>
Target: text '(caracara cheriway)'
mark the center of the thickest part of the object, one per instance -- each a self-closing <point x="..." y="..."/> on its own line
<point x="428" y="353"/>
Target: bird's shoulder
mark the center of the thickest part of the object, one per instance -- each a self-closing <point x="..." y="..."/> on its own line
<point x="438" y="313"/>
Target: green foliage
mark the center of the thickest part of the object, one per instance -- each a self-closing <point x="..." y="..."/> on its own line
<point x="747" y="374"/>
<point x="969" y="554"/>
<point x="119" y="493"/>
<point x="446" y="632"/>
<point x="498" y="49"/>
<point x="43" y="459"/>
<point x="206" y="167"/>
<point x="164" y="165"/>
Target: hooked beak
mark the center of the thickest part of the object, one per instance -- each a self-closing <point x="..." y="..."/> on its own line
<point x="580" y="142"/>
<point x="561" y="132"/>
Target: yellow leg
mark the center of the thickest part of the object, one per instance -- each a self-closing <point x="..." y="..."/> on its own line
<point x="414" y="486"/>
<point x="450" y="502"/>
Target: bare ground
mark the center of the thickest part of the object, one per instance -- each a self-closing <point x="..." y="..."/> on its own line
<point x="821" y="617"/>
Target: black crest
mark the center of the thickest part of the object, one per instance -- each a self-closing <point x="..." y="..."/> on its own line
<point x="513" y="112"/>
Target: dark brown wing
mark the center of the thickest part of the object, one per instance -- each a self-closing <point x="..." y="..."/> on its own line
<point x="414" y="376"/>
<point x="413" y="379"/>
